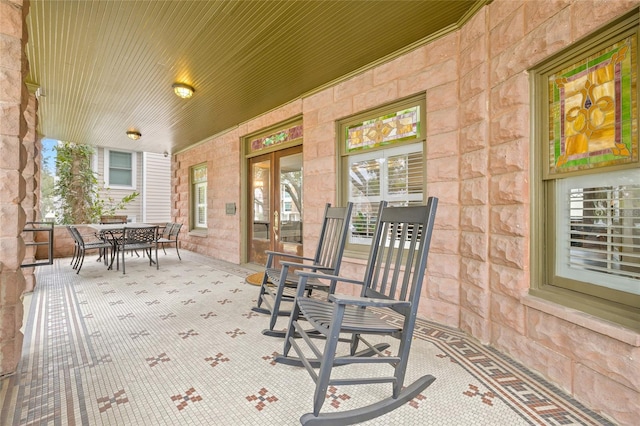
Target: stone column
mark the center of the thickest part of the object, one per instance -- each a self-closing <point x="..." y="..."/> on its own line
<point x="31" y="174"/>
<point x="13" y="103"/>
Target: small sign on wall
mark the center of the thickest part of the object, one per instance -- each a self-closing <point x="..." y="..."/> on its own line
<point x="230" y="208"/>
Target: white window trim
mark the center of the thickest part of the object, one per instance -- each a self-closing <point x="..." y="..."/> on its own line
<point x="134" y="164"/>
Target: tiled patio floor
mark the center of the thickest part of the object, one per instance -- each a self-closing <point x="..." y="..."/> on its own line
<point x="181" y="346"/>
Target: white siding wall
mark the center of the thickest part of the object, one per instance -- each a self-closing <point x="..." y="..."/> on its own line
<point x="156" y="188"/>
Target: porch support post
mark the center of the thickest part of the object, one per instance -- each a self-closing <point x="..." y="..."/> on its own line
<point x="14" y="98"/>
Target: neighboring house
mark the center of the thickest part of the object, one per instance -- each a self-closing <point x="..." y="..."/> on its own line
<point x="123" y="172"/>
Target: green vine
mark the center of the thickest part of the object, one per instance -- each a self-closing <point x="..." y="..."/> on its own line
<point x="77" y="187"/>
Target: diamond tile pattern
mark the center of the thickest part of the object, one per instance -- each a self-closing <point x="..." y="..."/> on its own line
<point x="181" y="346"/>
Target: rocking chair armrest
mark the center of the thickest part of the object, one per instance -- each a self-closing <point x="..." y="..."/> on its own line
<point x="366" y="301"/>
<point x="335" y="278"/>
<point x="306" y="265"/>
<point x="287" y="255"/>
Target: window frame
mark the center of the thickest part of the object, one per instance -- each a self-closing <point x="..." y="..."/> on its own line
<point x="355" y="250"/>
<point x="193" y="203"/>
<point x="107" y="168"/>
<point x="606" y="303"/>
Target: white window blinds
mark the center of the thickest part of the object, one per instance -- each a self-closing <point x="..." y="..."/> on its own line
<point x="598" y="229"/>
<point x="395" y="175"/>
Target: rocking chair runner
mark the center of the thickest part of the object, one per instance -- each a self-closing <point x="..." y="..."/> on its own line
<point x="278" y="284"/>
<point x="393" y="280"/>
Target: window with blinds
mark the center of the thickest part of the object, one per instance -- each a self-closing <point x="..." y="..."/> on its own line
<point x="395" y="175"/>
<point x="598" y="229"/>
<point x="199" y="196"/>
<point x="119" y="169"/>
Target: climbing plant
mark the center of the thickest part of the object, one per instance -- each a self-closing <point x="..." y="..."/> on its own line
<point x="77" y="187"/>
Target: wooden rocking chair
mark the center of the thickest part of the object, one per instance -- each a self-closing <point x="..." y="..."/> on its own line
<point x="279" y="283"/>
<point x="393" y="281"/>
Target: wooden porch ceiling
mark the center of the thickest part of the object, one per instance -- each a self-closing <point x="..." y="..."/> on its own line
<point x="106" y="66"/>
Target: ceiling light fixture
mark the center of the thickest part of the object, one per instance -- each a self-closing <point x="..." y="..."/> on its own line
<point x="134" y="134"/>
<point x="183" y="90"/>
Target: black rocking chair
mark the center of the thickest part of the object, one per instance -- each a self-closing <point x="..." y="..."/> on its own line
<point x="279" y="283"/>
<point x="393" y="281"/>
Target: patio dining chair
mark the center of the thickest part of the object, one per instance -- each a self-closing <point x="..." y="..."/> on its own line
<point x="387" y="306"/>
<point x="81" y="247"/>
<point x="169" y="236"/>
<point x="279" y="283"/>
<point x="133" y="239"/>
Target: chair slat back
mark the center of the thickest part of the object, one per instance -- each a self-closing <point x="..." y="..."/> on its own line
<point x="398" y="256"/>
<point x="175" y="229"/>
<point x="76" y="234"/>
<point x="140" y="235"/>
<point x="333" y="236"/>
<point x="168" y="228"/>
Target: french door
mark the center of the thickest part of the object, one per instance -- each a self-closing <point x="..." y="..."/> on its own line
<point x="275" y="204"/>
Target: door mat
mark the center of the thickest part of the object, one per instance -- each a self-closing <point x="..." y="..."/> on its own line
<point x="255" y="279"/>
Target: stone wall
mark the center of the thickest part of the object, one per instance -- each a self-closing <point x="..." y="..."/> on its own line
<point x="478" y="144"/>
<point x="14" y="99"/>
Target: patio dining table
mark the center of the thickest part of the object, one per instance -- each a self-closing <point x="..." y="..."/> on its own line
<point x="119" y="236"/>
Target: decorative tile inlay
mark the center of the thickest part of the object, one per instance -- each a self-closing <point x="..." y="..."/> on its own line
<point x="208" y="315"/>
<point x="188" y="397"/>
<point x="262" y="397"/>
<point x="129" y="315"/>
<point x="335" y="398"/>
<point x="271" y="358"/>
<point x="153" y="302"/>
<point x="217" y="359"/>
<point x="187" y="302"/>
<point x="235" y="333"/>
<point x="187" y="334"/>
<point x="224" y="301"/>
<point x="155" y="360"/>
<point x="141" y="292"/>
<point x="140" y="333"/>
<point x="251" y="314"/>
<point x="167" y="316"/>
<point x="117" y="302"/>
<point x="486" y="397"/>
<point x="107" y="402"/>
<point x="415" y="402"/>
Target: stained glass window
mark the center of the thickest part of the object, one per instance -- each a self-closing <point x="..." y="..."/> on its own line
<point x="277" y="138"/>
<point x="383" y="130"/>
<point x="592" y="111"/>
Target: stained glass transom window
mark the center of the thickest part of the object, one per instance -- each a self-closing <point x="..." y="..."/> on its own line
<point x="592" y="111"/>
<point x="276" y="138"/>
<point x="384" y="130"/>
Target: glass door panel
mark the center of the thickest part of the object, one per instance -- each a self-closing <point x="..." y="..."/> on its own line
<point x="275" y="200"/>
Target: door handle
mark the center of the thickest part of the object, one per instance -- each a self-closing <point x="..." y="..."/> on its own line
<point x="276" y="220"/>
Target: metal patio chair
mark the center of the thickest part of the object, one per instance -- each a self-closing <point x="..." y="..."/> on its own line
<point x="279" y="283"/>
<point x="81" y="247"/>
<point x="133" y="239"/>
<point x="392" y="284"/>
<point x="169" y="236"/>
